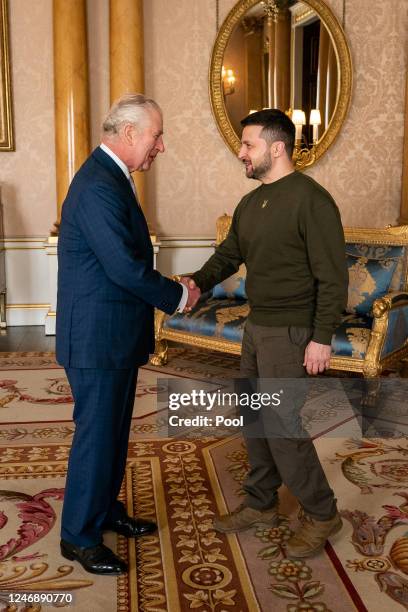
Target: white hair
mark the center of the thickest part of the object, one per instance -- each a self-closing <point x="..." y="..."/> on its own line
<point x="129" y="108"/>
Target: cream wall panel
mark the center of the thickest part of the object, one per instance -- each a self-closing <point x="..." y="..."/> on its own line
<point x="182" y="256"/>
<point x="27" y="280"/>
<point x="31" y="272"/>
<point x="24" y="315"/>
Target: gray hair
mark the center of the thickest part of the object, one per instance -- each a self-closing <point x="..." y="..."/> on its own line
<point x="129" y="108"/>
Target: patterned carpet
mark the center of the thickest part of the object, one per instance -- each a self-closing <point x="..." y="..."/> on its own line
<point x="181" y="484"/>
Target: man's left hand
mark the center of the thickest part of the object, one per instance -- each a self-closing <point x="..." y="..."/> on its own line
<point x="317" y="357"/>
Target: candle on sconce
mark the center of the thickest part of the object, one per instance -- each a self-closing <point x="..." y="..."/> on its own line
<point x="228" y="80"/>
<point x="299" y="119"/>
<point x="315" y="120"/>
<point x="230" y="77"/>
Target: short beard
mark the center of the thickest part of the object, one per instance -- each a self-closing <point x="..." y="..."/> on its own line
<point x="263" y="167"/>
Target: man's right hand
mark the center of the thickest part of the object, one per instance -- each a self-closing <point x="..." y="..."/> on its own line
<point x="194" y="292"/>
<point x="317" y="357"/>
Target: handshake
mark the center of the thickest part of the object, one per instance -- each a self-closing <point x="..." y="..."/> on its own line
<point x="194" y="292"/>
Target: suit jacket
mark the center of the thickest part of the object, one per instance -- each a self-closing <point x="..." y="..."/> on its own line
<point x="107" y="286"/>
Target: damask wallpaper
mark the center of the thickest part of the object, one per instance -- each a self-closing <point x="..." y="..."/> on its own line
<point x="198" y="178"/>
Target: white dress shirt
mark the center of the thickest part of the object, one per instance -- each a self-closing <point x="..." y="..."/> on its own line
<point x="126" y="172"/>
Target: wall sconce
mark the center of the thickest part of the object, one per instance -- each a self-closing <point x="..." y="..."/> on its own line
<point x="299" y="119"/>
<point x="315" y="120"/>
<point x="228" y="81"/>
<point x="304" y="155"/>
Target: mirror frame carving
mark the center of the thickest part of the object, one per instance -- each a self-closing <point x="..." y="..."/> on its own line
<point x="343" y="61"/>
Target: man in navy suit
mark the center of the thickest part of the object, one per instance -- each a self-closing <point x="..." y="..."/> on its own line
<point x="107" y="291"/>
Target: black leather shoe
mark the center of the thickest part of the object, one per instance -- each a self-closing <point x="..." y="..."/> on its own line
<point x="96" y="559"/>
<point x="131" y="527"/>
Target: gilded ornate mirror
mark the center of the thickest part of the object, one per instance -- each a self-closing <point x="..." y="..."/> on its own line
<point x="286" y="54"/>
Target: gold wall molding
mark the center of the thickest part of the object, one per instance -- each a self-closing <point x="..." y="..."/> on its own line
<point x="23" y="244"/>
<point x="24" y="239"/>
<point x="186" y="246"/>
<point x="404" y="192"/>
<point x="6" y="98"/>
<point x="29" y="306"/>
<point x="70" y="92"/>
<point x="184" y="238"/>
<point x="23" y="248"/>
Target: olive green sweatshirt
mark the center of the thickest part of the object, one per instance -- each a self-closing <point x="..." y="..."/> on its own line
<point x="289" y="235"/>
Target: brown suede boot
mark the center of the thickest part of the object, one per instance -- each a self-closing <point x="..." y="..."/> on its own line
<point x="245" y="517"/>
<point x="311" y="536"/>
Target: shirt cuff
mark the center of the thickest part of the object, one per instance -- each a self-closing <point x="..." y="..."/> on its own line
<point x="322" y="336"/>
<point x="184" y="298"/>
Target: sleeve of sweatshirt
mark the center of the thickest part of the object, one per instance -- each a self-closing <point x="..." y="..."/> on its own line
<point x="225" y="261"/>
<point x="325" y="245"/>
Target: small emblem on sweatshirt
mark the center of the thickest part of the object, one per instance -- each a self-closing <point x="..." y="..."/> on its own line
<point x="264" y="203"/>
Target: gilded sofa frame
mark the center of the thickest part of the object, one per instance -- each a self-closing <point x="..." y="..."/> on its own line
<point x="372" y="365"/>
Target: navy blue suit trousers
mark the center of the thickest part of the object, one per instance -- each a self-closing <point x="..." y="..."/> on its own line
<point x="104" y="402"/>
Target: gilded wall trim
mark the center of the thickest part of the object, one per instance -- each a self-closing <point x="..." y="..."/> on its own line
<point x="23" y="248"/>
<point x="186" y="246"/>
<point x="404" y="194"/>
<point x="6" y="104"/>
<point x="28" y="306"/>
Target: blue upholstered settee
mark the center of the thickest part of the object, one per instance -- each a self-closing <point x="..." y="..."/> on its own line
<point x="373" y="334"/>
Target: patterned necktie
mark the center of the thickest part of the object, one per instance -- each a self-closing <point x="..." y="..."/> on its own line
<point x="133" y="186"/>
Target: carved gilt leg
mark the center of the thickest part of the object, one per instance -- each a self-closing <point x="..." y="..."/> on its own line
<point x="369" y="401"/>
<point x="371" y="366"/>
<point x="159" y="357"/>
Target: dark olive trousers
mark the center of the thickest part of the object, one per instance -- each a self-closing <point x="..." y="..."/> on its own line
<point x="278" y="352"/>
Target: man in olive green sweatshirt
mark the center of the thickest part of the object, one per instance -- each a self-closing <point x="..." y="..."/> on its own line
<point x="288" y="232"/>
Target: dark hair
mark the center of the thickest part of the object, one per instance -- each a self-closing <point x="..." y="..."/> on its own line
<point x="276" y="126"/>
